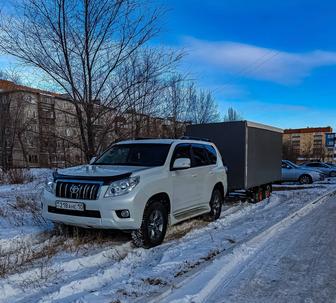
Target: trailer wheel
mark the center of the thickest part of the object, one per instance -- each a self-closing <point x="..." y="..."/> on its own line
<point x="267" y="191"/>
<point x="261" y="194"/>
<point x="257" y="194"/>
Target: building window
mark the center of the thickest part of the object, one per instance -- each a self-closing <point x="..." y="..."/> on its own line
<point x="32" y="158"/>
<point x="68" y="132"/>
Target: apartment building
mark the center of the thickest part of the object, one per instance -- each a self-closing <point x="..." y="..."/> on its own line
<point x="40" y="129"/>
<point x="307" y="144"/>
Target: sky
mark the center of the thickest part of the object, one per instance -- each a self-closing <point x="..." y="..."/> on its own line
<point x="273" y="61"/>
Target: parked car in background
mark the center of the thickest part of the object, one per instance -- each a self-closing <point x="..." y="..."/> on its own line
<point x="326" y="169"/>
<point x="303" y="175"/>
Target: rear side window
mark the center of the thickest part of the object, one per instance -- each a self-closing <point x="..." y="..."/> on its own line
<point x="314" y="164"/>
<point x="212" y="155"/>
<point x="200" y="157"/>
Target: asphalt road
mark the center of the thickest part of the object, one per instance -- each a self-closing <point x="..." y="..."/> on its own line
<point x="298" y="265"/>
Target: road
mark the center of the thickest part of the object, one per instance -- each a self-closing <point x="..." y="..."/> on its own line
<point x="297" y="264"/>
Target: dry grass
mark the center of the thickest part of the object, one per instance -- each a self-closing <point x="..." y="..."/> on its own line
<point x="26" y="254"/>
<point x="16" y="176"/>
<point x="22" y="210"/>
<point x="83" y="238"/>
<point x="23" y="207"/>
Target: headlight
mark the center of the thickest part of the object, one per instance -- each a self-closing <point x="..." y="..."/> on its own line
<point x="122" y="187"/>
<point x="50" y="184"/>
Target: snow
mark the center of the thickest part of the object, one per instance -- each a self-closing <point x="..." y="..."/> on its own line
<point x="198" y="262"/>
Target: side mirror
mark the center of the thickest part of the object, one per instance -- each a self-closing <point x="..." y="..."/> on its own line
<point x="93" y="159"/>
<point x="181" y="163"/>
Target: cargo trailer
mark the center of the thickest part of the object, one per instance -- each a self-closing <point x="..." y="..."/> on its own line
<point x="252" y="153"/>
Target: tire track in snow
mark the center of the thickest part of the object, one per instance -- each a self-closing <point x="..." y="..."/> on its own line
<point x="229" y="266"/>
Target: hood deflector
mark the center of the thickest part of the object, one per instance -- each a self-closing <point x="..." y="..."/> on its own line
<point x="104" y="179"/>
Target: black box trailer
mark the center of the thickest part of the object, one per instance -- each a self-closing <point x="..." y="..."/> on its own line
<point x="251" y="151"/>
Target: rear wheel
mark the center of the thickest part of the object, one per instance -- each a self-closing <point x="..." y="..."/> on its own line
<point x="153" y="228"/>
<point x="267" y="191"/>
<point x="257" y="194"/>
<point x="305" y="179"/>
<point x="215" y="205"/>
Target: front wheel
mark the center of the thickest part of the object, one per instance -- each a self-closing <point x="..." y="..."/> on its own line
<point x="305" y="179"/>
<point x="153" y="228"/>
<point x="215" y="205"/>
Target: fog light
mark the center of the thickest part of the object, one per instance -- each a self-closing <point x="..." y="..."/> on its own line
<point x="124" y="213"/>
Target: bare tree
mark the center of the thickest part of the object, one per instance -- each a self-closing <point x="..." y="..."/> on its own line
<point x="202" y="107"/>
<point x="175" y="104"/>
<point x="14" y="125"/>
<point x="232" y="115"/>
<point x="289" y="152"/>
<point x="83" y="46"/>
<point x="11" y="74"/>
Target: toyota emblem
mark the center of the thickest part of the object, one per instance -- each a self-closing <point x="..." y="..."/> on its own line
<point x="74" y="189"/>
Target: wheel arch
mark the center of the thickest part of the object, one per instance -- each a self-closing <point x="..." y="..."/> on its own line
<point x="220" y="187"/>
<point x="161" y="197"/>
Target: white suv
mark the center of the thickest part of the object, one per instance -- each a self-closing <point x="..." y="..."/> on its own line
<point x="140" y="186"/>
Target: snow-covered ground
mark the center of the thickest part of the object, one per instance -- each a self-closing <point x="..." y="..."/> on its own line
<point x="255" y="253"/>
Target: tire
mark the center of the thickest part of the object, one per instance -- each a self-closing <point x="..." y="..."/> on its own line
<point x="153" y="228"/>
<point x="215" y="203"/>
<point x="267" y="191"/>
<point x="305" y="179"/>
<point x="257" y="194"/>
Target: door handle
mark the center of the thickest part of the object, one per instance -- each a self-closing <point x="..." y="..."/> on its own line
<point x="211" y="173"/>
<point x="194" y="175"/>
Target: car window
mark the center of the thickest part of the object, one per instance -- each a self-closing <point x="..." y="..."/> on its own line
<point x="314" y="164"/>
<point x="212" y="155"/>
<point x="200" y="157"/>
<point x="135" y="155"/>
<point x="285" y="165"/>
<point x="181" y="151"/>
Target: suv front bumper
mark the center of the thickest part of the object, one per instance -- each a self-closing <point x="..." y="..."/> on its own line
<point x="100" y="213"/>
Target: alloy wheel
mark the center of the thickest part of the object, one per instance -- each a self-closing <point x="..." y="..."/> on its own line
<point x="155" y="225"/>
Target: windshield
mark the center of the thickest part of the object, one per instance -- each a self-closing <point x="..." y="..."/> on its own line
<point x="292" y="164"/>
<point x="135" y="155"/>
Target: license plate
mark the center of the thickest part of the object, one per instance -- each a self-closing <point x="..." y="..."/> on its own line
<point x="70" y="205"/>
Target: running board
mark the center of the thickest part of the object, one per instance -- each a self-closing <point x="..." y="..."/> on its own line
<point x="198" y="210"/>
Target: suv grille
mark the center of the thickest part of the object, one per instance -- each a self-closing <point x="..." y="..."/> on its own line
<point x="77" y="190"/>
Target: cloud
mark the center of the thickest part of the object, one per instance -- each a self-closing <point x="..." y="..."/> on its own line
<point x="244" y="60"/>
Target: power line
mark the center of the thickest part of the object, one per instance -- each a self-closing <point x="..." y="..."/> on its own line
<point x="257" y="64"/>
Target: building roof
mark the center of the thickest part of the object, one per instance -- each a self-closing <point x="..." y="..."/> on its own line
<point x="9" y="86"/>
<point x="308" y="130"/>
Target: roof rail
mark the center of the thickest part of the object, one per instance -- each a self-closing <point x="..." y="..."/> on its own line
<point x="194" y="138"/>
<point x="144" y="138"/>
